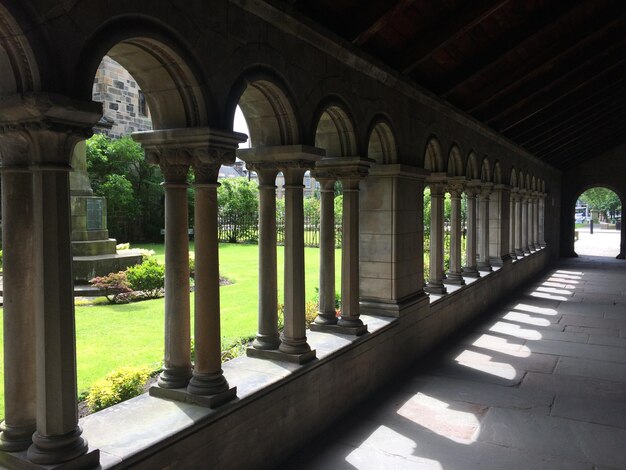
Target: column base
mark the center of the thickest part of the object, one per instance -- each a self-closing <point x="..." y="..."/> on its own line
<point x="183" y="395"/>
<point x="454" y="279"/>
<point x="174" y="377"/>
<point x="394" y="308"/>
<point x="277" y="355"/>
<point x="436" y="288"/>
<point x="513" y="256"/>
<point x="519" y="253"/>
<point x="207" y="384"/>
<point x="484" y="267"/>
<point x="470" y="271"/>
<point x="325" y="319"/>
<point x="89" y="460"/>
<point x="266" y="341"/>
<point x="55" y="450"/>
<point x="344" y="330"/>
<point x="16" y="438"/>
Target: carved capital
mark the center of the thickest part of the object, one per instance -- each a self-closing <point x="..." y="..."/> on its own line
<point x="205" y="173"/>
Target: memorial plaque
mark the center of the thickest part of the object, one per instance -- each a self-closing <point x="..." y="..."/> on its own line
<point x="95" y="209"/>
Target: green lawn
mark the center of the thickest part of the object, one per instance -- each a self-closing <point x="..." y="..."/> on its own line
<point x="112" y="336"/>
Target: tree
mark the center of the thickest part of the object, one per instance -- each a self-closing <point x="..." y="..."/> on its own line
<point x="119" y="172"/>
<point x="602" y="200"/>
<point x="238" y="200"/>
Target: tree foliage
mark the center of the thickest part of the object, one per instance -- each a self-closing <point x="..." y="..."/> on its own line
<point x="119" y="172"/>
<point x="602" y="200"/>
<point x="238" y="200"/>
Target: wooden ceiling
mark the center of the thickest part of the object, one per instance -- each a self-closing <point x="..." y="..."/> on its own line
<point x="548" y="74"/>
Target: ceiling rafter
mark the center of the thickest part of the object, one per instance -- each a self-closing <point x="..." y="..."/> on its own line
<point x="416" y="53"/>
<point x="381" y="21"/>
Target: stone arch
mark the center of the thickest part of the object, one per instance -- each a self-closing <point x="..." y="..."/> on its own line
<point x="381" y="145"/>
<point x="20" y="72"/>
<point x="267" y="107"/>
<point x="513" y="178"/>
<point x="455" y="162"/>
<point x="472" y="166"/>
<point x="334" y="129"/>
<point x="543" y="186"/>
<point x="161" y="65"/>
<point x="533" y="183"/>
<point x="485" y="171"/>
<point x="527" y="184"/>
<point x="497" y="173"/>
<point x="433" y="156"/>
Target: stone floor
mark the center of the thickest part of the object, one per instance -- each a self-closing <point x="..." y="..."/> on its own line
<point x="540" y="385"/>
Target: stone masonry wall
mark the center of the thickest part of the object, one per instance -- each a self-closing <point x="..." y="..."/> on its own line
<point x="119" y="94"/>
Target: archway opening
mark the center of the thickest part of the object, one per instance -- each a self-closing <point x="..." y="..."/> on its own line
<point x="382" y="145"/>
<point x="597" y="222"/>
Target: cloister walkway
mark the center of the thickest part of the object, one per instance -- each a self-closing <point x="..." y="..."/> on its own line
<point x="541" y="384"/>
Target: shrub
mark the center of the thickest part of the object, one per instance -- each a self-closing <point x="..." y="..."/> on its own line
<point x="147" y="277"/>
<point x="119" y="385"/>
<point x="115" y="287"/>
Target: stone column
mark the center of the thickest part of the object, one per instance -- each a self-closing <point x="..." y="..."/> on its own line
<point x="294" y="161"/>
<point x="471" y="269"/>
<point x="499" y="225"/>
<point x="293" y="339"/>
<point x="512" y="224"/>
<point x="519" y="251"/>
<point x="525" y="223"/>
<point x="391" y="225"/>
<point x="454" y="275"/>
<point x="542" y="220"/>
<point x="435" y="281"/>
<point x="267" y="337"/>
<point x="350" y="171"/>
<point x="483" y="207"/>
<point x="326" y="314"/>
<point x="536" y="221"/>
<point x="19" y="268"/>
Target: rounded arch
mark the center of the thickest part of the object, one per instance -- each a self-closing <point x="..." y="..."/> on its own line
<point x="485" y="171"/>
<point x="497" y="173"/>
<point x="20" y="72"/>
<point x="455" y="161"/>
<point x="433" y="156"/>
<point x="513" y="178"/>
<point x="472" y="166"/>
<point x="161" y="64"/>
<point x="334" y="129"/>
<point x="267" y="107"/>
<point x="381" y="145"/>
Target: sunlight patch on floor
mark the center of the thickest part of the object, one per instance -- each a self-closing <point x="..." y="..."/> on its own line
<point x="501" y="345"/>
<point x="544" y="295"/>
<point x="458" y="422"/>
<point x="525" y="318"/>
<point x="535" y="309"/>
<point x="516" y="331"/>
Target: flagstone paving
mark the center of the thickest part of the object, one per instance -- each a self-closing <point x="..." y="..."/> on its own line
<point x="541" y="384"/>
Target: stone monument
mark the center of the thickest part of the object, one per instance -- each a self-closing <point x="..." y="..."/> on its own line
<point x="93" y="252"/>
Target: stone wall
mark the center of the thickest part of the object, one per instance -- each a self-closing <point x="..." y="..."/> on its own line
<point x="119" y="94"/>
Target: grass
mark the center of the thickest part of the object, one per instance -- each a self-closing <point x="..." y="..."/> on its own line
<point x="112" y="336"/>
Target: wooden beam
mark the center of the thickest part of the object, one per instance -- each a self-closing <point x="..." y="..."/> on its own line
<point x="583" y="153"/>
<point x="536" y="26"/>
<point x="442" y="34"/>
<point x="580" y="104"/>
<point x="541" y="64"/>
<point x="380" y="21"/>
<point x="595" y="69"/>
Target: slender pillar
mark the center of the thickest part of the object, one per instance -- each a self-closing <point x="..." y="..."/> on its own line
<point x="208" y="378"/>
<point x="542" y="220"/>
<point x="519" y="230"/>
<point x="350" y="258"/>
<point x="483" y="207"/>
<point x="435" y="281"/>
<point x="525" y="221"/>
<point x="536" y="221"/>
<point x="512" y="224"/>
<point x="58" y="436"/>
<point x="454" y="275"/>
<point x="471" y="270"/>
<point x="293" y="338"/>
<point x="326" y="314"/>
<point x="267" y="337"/>
<point x="19" y="268"/>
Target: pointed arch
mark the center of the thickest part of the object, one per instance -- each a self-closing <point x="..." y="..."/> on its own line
<point x="485" y="171"/>
<point x="497" y="173"/>
<point x="472" y="172"/>
<point x="513" y="178"/>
